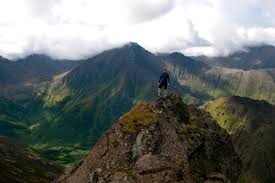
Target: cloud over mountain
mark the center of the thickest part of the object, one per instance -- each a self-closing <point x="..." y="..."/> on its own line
<point x="78" y="29"/>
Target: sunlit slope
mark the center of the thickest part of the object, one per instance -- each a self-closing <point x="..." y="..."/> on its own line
<point x="251" y="123"/>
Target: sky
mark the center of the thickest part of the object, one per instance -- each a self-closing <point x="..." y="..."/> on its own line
<point x="77" y="29"/>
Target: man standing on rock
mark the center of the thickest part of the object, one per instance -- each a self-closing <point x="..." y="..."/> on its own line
<point x="164" y="81"/>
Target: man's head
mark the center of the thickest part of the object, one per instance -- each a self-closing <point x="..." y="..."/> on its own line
<point x="165" y="69"/>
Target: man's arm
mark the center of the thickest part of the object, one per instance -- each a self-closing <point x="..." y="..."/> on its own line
<point x="168" y="78"/>
<point x="160" y="78"/>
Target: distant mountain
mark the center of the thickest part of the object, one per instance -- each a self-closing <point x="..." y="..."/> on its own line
<point x="251" y="124"/>
<point x="260" y="57"/>
<point x="216" y="81"/>
<point x="18" y="78"/>
<point x="21" y="165"/>
<point x="31" y="68"/>
<point x="177" y="62"/>
<point x="161" y="141"/>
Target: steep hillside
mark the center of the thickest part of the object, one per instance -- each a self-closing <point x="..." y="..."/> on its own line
<point x="184" y="64"/>
<point x="259" y="57"/>
<point x="33" y="67"/>
<point x="21" y="165"/>
<point x="251" y="124"/>
<point x="13" y="122"/>
<point x="163" y="141"/>
<point x="19" y="78"/>
<point x="220" y="81"/>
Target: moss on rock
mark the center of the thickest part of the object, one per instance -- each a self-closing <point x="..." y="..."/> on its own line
<point x="138" y="118"/>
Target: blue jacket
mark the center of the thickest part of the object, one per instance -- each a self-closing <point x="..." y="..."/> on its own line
<point x="164" y="77"/>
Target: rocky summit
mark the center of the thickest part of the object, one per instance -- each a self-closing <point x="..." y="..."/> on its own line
<point x="161" y="141"/>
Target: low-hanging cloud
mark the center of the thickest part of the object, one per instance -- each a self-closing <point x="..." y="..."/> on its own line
<point x="70" y="29"/>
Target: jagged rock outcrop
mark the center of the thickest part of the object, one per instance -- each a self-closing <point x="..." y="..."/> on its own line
<point x="21" y="165"/>
<point x="164" y="141"/>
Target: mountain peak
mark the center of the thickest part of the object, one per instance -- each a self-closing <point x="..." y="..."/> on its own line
<point x="161" y="141"/>
<point x="177" y="54"/>
<point x="37" y="57"/>
<point x="134" y="46"/>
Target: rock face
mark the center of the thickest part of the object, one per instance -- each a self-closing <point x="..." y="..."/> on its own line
<point x="21" y="165"/>
<point x="164" y="141"/>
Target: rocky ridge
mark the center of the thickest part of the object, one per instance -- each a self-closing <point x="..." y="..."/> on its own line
<point x="163" y="141"/>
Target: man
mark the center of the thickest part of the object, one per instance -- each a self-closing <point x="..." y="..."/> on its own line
<point x="164" y="81"/>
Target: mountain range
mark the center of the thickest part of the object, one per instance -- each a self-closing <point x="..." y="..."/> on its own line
<point x="19" y="78"/>
<point x="250" y="58"/>
<point x="218" y="81"/>
<point x="61" y="108"/>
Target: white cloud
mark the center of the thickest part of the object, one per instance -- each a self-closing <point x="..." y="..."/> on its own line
<point x="80" y="28"/>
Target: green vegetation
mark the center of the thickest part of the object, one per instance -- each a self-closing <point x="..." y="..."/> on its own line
<point x="251" y="124"/>
<point x="13" y="120"/>
<point x="65" y="156"/>
<point x="138" y="118"/>
<point x="219" y="82"/>
<point x="224" y="115"/>
<point x="54" y="97"/>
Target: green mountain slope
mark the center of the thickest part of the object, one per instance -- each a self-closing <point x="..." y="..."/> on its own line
<point x="19" y="81"/>
<point x="13" y="122"/>
<point x="220" y="81"/>
<point x="251" y="124"/>
<point x="19" y="78"/>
